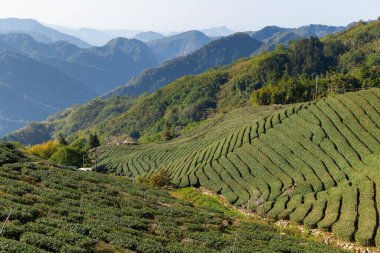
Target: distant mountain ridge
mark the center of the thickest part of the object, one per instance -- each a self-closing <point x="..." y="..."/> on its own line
<point x="268" y="32"/>
<point x="149" y="36"/>
<point x="178" y="45"/>
<point x="31" y="90"/>
<point x="94" y="71"/>
<point x="38" y="31"/>
<point x="218" y="31"/>
<point x="98" y="37"/>
<point x="101" y="68"/>
<point x="285" y="75"/>
<point x="38" y="79"/>
<point x="274" y="35"/>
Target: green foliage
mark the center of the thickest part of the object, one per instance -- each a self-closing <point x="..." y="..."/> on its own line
<point x="67" y="155"/>
<point x="9" y="154"/>
<point x="62" y="140"/>
<point x="168" y="132"/>
<point x="159" y="178"/>
<point x="93" y="141"/>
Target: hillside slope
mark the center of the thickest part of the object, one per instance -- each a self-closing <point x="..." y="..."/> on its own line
<point x="314" y="163"/>
<point x="50" y="208"/>
<point x="218" y="52"/>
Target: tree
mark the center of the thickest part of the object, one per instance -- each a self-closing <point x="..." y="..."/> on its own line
<point x="69" y="156"/>
<point x="307" y="57"/>
<point x="61" y="140"/>
<point x="44" y="150"/>
<point x="93" y="141"/>
<point x="168" y="132"/>
<point x="134" y="135"/>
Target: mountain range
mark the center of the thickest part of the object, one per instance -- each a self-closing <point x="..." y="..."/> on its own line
<point x="177" y="45"/>
<point x="282" y="76"/>
<point x="31" y="90"/>
<point x="216" y="53"/>
<point x="92" y="71"/>
<point x="38" y="31"/>
<point x="149" y="36"/>
<point x="39" y="79"/>
<point x="98" y="37"/>
<point x="219" y="52"/>
<point x="274" y="35"/>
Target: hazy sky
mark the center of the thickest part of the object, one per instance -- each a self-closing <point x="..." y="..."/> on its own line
<point x="170" y="15"/>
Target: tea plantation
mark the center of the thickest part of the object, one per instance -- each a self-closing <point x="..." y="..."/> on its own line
<point x="314" y="163"/>
<point x="48" y="208"/>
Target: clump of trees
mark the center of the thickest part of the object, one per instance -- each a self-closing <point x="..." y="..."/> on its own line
<point x="44" y="150"/>
<point x="65" y="153"/>
<point x="68" y="155"/>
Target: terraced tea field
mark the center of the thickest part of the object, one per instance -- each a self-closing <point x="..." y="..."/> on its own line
<point x="315" y="163"/>
<point x="50" y="208"/>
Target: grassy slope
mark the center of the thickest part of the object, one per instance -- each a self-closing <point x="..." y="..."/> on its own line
<point x="314" y="163"/>
<point x="56" y="209"/>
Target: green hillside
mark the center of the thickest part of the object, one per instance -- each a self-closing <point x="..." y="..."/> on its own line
<point x="314" y="163"/>
<point x="49" y="208"/>
<point x="345" y="61"/>
<point x="216" y="53"/>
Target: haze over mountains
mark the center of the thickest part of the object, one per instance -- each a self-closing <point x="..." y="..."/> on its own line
<point x="37" y="31"/>
<point x="65" y="64"/>
<point x="100" y="37"/>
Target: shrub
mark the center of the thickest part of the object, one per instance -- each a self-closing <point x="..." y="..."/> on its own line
<point x="44" y="150"/>
<point x="69" y="156"/>
<point x="160" y="178"/>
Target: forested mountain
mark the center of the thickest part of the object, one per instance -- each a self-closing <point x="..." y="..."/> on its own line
<point x="343" y="61"/>
<point x="148" y="36"/>
<point x="307" y="31"/>
<point x="151" y="79"/>
<point x="274" y="35"/>
<point x="218" y="52"/>
<point x="100" y="68"/>
<point x="37" y="31"/>
<point x="177" y="45"/>
<point x="40" y="79"/>
<point x="121" y="59"/>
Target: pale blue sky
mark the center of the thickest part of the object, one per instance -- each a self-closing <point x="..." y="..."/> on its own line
<point x="170" y="15"/>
